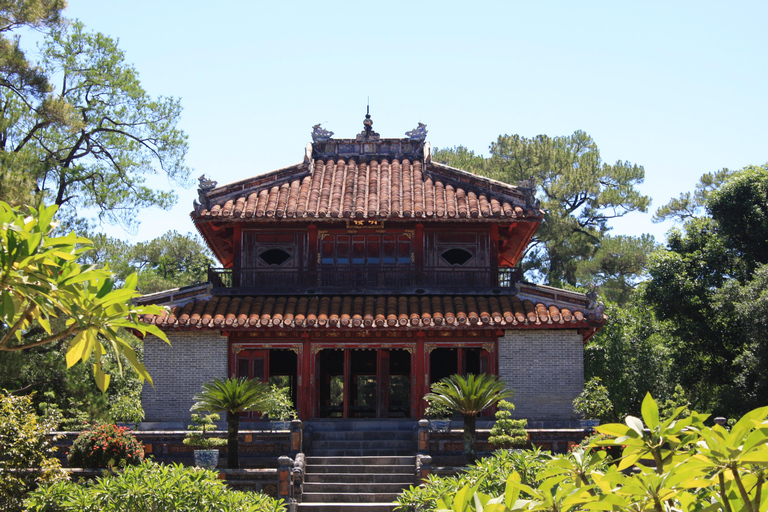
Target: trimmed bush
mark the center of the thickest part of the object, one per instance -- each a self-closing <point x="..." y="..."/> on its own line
<point x="151" y="487"/>
<point x="26" y="456"/>
<point x="104" y="446"/>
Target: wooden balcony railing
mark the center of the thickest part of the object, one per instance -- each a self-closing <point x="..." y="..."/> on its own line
<point x="356" y="279"/>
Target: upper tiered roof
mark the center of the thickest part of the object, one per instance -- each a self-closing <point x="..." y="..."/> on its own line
<point x="366" y="178"/>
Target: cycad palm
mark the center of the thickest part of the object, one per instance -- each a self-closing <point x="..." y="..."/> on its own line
<point x="469" y="396"/>
<point x="232" y="396"/>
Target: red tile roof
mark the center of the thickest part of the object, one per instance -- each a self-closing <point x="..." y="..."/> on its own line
<point x="379" y="188"/>
<point x="382" y="311"/>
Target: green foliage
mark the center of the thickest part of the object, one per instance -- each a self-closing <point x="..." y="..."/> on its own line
<point x="631" y="355"/>
<point x="91" y="140"/>
<point x="707" y="287"/>
<point x="437" y="410"/>
<point x="578" y="191"/>
<point x="17" y="75"/>
<point x="151" y="487"/>
<point x="201" y="424"/>
<point x="41" y="281"/>
<point x="740" y="207"/>
<point x="278" y="404"/>
<point x="26" y="455"/>
<point x="469" y="396"/>
<point x="487" y="474"/>
<point x="593" y="402"/>
<point x="105" y="446"/>
<point x="690" y="205"/>
<point x="170" y="261"/>
<point x="233" y="396"/>
<point x="696" y="469"/>
<point x="506" y="432"/>
<point x="617" y="266"/>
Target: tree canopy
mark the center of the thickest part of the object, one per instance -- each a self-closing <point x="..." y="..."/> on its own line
<point x="78" y="129"/>
<point x="579" y="193"/>
<point x="708" y="285"/>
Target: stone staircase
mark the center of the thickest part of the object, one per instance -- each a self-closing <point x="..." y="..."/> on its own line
<point x="356" y="465"/>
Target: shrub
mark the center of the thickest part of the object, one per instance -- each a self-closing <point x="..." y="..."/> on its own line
<point x="151" y="487"/>
<point x="506" y="432"/>
<point x="667" y="463"/>
<point x="593" y="402"/>
<point x="26" y="456"/>
<point x="104" y="445"/>
<point x="278" y="404"/>
<point x="488" y="474"/>
<point x="202" y="424"/>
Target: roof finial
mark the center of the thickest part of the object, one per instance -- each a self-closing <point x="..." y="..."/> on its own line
<point x="368" y="132"/>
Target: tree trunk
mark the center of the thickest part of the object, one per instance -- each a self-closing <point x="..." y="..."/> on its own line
<point x="470" y="436"/>
<point x="233" y="443"/>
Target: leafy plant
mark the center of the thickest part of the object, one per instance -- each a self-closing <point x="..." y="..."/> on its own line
<point x="506" y="432"/>
<point x="151" y="487"/>
<point x="437" y="411"/>
<point x="233" y="396"/>
<point x="41" y="280"/>
<point x="26" y="454"/>
<point x="594" y="401"/>
<point x="105" y="445"/>
<point x="469" y="396"/>
<point x="202" y="423"/>
<point x="695" y="469"/>
<point x="278" y="404"/>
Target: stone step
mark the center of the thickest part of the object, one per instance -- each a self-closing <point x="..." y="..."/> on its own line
<point x="397" y="444"/>
<point x="374" y="435"/>
<point x="347" y="507"/>
<point x="382" y="469"/>
<point x="352" y="488"/>
<point x="366" y="460"/>
<point x="363" y="452"/>
<point x="404" y="479"/>
<point x="357" y="497"/>
<point x="362" y="425"/>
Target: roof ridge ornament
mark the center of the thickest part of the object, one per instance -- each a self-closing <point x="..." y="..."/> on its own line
<point x="320" y="134"/>
<point x="205" y="185"/>
<point x="418" y="134"/>
<point x="367" y="133"/>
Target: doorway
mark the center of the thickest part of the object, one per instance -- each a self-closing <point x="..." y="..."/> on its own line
<point x="364" y="383"/>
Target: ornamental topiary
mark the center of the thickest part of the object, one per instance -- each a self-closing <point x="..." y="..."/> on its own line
<point x="104" y="446"/>
<point x="508" y="433"/>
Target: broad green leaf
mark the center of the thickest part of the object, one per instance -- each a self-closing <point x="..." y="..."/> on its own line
<point x="635" y="424"/>
<point x="650" y="412"/>
<point x="102" y="379"/>
<point x="76" y="350"/>
<point x="614" y="429"/>
<point x="511" y="491"/>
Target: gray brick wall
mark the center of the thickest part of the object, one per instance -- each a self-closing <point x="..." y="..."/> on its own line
<point x="546" y="370"/>
<point x="178" y="372"/>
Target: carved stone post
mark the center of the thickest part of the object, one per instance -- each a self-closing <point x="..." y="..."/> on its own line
<point x="423" y="436"/>
<point x="296" y="437"/>
<point x="284" y="477"/>
<point x="423" y="468"/>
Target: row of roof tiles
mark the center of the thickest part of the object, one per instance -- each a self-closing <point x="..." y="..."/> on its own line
<point x="368" y="311"/>
<point x="375" y="189"/>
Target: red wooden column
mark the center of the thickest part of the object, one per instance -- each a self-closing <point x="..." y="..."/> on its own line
<point x="347" y="380"/>
<point x="382" y="383"/>
<point x="312" y="247"/>
<point x="306" y="380"/>
<point x="237" y="257"/>
<point x="420" y="376"/>
<point x="418" y="246"/>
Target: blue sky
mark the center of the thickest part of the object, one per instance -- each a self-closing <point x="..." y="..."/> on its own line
<point x="678" y="87"/>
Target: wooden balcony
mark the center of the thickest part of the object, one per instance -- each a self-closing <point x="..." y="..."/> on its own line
<point x="342" y="280"/>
